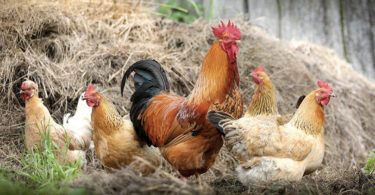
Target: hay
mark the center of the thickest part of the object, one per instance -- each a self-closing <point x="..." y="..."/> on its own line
<point x="64" y="46"/>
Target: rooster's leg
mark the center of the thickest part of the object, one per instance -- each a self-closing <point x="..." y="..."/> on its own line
<point x="198" y="179"/>
<point x="183" y="179"/>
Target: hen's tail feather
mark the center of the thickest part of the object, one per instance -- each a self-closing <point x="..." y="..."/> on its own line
<point x="65" y="119"/>
<point x="217" y="118"/>
<point x="149" y="80"/>
<point x="300" y="100"/>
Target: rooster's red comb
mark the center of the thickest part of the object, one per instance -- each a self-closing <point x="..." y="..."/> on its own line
<point x="259" y="69"/>
<point x="89" y="90"/>
<point x="229" y="29"/>
<point x="323" y="84"/>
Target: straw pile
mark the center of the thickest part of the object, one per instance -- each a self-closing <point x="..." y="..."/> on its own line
<point x="64" y="46"/>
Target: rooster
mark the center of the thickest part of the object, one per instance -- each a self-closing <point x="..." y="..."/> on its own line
<point x="116" y="143"/>
<point x="39" y="120"/>
<point x="267" y="151"/>
<point x="178" y="125"/>
<point x="80" y="123"/>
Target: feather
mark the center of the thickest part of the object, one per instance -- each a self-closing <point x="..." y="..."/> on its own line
<point x="149" y="80"/>
<point x="147" y="70"/>
<point x="300" y="100"/>
<point x="217" y="117"/>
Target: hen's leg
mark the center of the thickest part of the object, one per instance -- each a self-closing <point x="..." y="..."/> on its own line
<point x="251" y="163"/>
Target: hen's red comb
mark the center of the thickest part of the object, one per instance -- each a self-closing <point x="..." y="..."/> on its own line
<point x="230" y="29"/>
<point x="323" y="84"/>
<point x="89" y="90"/>
<point x="259" y="69"/>
<point x="23" y="86"/>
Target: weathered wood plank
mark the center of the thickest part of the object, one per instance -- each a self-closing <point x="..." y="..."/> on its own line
<point x="371" y="7"/>
<point x="314" y="21"/>
<point x="223" y="8"/>
<point x="266" y="15"/>
<point x="358" y="35"/>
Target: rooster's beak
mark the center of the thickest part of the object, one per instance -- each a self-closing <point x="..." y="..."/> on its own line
<point x="22" y="92"/>
<point x="332" y="95"/>
<point x="238" y="42"/>
<point x="84" y="98"/>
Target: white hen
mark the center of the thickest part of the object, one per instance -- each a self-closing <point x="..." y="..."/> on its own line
<point x="80" y="123"/>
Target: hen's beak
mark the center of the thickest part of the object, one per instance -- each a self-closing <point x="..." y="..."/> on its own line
<point x="238" y="42"/>
<point x="84" y="98"/>
<point x="22" y="92"/>
<point x="332" y="95"/>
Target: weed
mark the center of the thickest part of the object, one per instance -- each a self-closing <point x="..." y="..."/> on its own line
<point x="179" y="10"/>
<point x="370" y="164"/>
<point x="43" y="172"/>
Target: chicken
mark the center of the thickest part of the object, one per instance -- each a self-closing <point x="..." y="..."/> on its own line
<point x="263" y="104"/>
<point x="267" y="151"/>
<point x="178" y="125"/>
<point x="116" y="143"/>
<point x="80" y="123"/>
<point x="39" y="120"/>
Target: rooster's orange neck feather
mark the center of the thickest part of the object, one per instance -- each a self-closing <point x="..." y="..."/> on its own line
<point x="310" y="116"/>
<point x="217" y="77"/>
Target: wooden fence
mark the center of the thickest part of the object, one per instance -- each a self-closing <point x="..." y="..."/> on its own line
<point x="346" y="26"/>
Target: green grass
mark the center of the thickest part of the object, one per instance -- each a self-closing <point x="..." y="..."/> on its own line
<point x="9" y="186"/>
<point x="370" y="164"/>
<point x="42" y="172"/>
<point x="369" y="169"/>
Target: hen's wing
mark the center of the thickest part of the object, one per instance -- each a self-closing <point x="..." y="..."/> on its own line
<point x="75" y="140"/>
<point x="266" y="138"/>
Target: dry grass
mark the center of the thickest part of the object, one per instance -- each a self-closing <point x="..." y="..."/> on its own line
<point x="66" y="47"/>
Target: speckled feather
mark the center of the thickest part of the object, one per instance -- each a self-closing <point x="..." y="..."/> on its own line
<point x="116" y="142"/>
